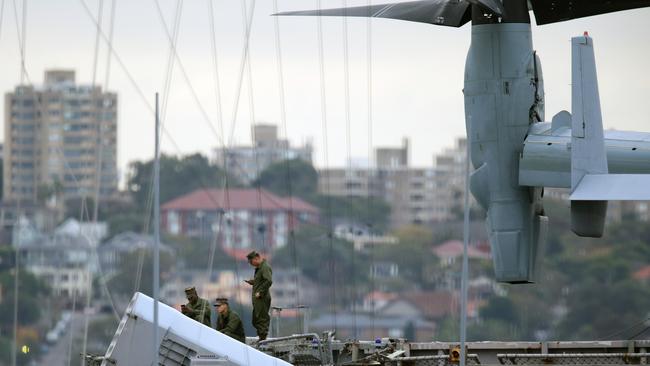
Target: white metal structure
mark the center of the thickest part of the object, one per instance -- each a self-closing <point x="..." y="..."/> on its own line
<point x="182" y="341"/>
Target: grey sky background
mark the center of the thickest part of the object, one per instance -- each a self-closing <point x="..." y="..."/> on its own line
<point x="417" y="72"/>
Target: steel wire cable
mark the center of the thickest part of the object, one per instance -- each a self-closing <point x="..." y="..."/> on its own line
<point x="621" y="331"/>
<point x="369" y="223"/>
<point x="170" y="58"/>
<point x="242" y="65"/>
<point x="348" y="142"/>
<point x="251" y="113"/>
<point x="323" y="107"/>
<point x="2" y="13"/>
<point x="283" y="119"/>
<point x="21" y="43"/>
<point x="226" y="182"/>
<point x="219" y="136"/>
<point x="100" y="9"/>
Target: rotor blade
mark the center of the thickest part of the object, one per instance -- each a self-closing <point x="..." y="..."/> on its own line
<point x="453" y="13"/>
<point x="551" y="11"/>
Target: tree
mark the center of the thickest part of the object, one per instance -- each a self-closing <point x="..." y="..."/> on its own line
<point x="413" y="255"/>
<point x="324" y="259"/>
<point x="501" y="309"/>
<point x="299" y="179"/>
<point x="367" y="211"/>
<point x="178" y="176"/>
<point x="123" y="282"/>
<point x="294" y="177"/>
<point x="194" y="253"/>
<point x="31" y="292"/>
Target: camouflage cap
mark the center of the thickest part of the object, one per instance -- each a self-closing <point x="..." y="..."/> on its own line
<point x="220" y="301"/>
<point x="252" y="255"/>
<point x="189" y="290"/>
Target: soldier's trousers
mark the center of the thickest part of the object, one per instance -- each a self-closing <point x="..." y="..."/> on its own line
<point x="261" y="317"/>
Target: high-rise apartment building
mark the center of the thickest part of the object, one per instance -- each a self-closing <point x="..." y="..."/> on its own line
<point x="60" y="138"/>
<point x="415" y="195"/>
<point x="246" y="162"/>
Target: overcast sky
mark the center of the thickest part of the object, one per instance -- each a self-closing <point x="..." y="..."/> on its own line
<point x="417" y="72"/>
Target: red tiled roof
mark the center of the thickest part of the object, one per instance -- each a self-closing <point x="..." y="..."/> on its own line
<point x="454" y="248"/>
<point x="432" y="304"/>
<point x="643" y="273"/>
<point x="238" y="199"/>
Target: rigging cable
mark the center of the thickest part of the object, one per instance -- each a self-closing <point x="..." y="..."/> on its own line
<point x="226" y="179"/>
<point x="323" y="105"/>
<point x="257" y="228"/>
<point x="283" y="119"/>
<point x="89" y="290"/>
<point x="621" y="331"/>
<point x="465" y="270"/>
<point x="14" y="348"/>
<point x="245" y="55"/>
<point x="369" y="223"/>
<point x="2" y="13"/>
<point x="348" y="140"/>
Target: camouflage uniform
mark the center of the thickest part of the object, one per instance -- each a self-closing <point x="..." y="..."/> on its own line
<point x="230" y="324"/>
<point x="261" y="284"/>
<point x="199" y="310"/>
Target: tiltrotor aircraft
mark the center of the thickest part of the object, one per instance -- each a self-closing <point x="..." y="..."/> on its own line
<point x="514" y="152"/>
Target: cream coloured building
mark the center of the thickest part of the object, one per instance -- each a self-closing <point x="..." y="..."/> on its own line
<point x="60" y="140"/>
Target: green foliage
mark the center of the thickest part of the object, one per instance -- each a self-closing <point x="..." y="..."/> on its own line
<point x="501" y="309"/>
<point x="123" y="282"/>
<point x="327" y="260"/>
<point x="413" y="255"/>
<point x="178" y="176"/>
<point x="294" y="177"/>
<point x="195" y="253"/>
<point x="491" y="330"/>
<point x="369" y="211"/>
<point x="31" y="292"/>
<point x="300" y="179"/>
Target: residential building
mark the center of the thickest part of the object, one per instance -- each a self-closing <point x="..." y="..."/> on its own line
<point x="239" y="219"/>
<point x="64" y="262"/>
<point x="415" y="195"/>
<point x="246" y="162"/>
<point x="94" y="231"/>
<point x="451" y="251"/>
<point x="64" y="259"/>
<point x="112" y="253"/>
<point x="60" y="140"/>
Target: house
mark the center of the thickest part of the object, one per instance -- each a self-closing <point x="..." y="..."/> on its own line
<point x="113" y="251"/>
<point x="95" y="231"/>
<point x="376" y="300"/>
<point x="240" y="219"/>
<point x="643" y="274"/>
<point x="65" y="262"/>
<point x="449" y="251"/>
<point x="420" y="304"/>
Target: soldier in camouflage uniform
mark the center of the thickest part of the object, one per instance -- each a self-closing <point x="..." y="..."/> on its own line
<point x="196" y="307"/>
<point x="261" y="283"/>
<point x="228" y="321"/>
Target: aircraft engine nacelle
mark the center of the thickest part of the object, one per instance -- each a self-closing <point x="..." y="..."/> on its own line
<point x="503" y="96"/>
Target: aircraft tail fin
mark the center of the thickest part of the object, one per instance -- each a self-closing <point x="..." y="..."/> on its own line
<point x="588" y="154"/>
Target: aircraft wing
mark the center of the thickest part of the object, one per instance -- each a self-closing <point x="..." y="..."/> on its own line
<point x="451" y="13"/>
<point x="613" y="187"/>
<point x="552" y="11"/>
